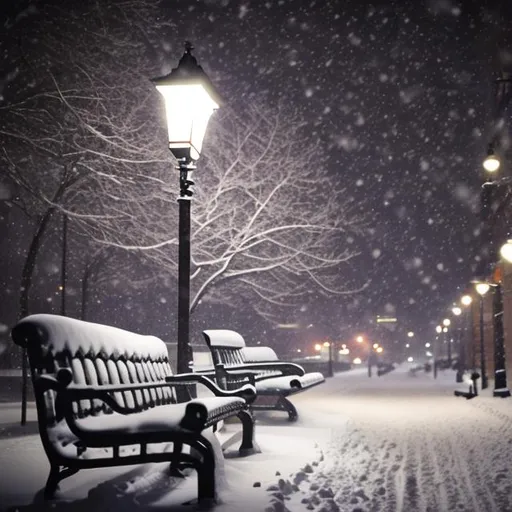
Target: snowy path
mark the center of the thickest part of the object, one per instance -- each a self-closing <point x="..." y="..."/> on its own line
<point x="409" y="445"/>
<point x="397" y="443"/>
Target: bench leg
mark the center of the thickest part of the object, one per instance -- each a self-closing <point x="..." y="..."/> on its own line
<point x="206" y="473"/>
<point x="55" y="476"/>
<point x="285" y="404"/>
<point x="247" y="420"/>
<point x="174" y="466"/>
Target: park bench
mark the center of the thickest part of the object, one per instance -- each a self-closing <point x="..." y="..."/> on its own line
<point x="383" y="368"/>
<point x="236" y="364"/>
<point x="107" y="397"/>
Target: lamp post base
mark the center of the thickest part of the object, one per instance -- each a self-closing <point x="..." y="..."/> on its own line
<point x="468" y="395"/>
<point x="501" y="393"/>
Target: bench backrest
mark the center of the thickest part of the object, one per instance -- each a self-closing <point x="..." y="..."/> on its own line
<point x="259" y="354"/>
<point x="97" y="355"/>
<point x="228" y="348"/>
<point x="225" y="346"/>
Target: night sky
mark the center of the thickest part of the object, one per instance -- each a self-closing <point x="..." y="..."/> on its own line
<point x="400" y="94"/>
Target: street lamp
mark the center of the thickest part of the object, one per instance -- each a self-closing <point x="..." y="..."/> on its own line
<point x="466" y="301"/>
<point x="482" y="288"/>
<point x="500" y="370"/>
<point x="506" y="251"/>
<point x="457" y="311"/>
<point x="190" y="100"/>
<point x="492" y="162"/>
<point x="447" y="339"/>
<point x="439" y="330"/>
<point x="360" y="339"/>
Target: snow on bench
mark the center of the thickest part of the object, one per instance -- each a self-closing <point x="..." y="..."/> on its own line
<point x="237" y="364"/>
<point x="101" y="390"/>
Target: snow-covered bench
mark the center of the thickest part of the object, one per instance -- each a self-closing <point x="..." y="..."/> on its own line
<point x="236" y="364"/>
<point x="107" y="397"/>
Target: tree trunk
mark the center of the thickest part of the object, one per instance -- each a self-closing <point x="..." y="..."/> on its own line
<point x="85" y="292"/>
<point x="30" y="262"/>
<point x="26" y="282"/>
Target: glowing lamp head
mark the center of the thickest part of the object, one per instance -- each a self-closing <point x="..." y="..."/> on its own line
<point x="506" y="251"/>
<point x="446" y="322"/>
<point x="466" y="300"/>
<point x="359" y="339"/>
<point x="456" y="311"/>
<point x="439" y="329"/>
<point x="190" y="100"/>
<point x="491" y="162"/>
<point x="482" y="288"/>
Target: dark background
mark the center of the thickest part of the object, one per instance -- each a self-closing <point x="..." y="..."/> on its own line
<point x="400" y="93"/>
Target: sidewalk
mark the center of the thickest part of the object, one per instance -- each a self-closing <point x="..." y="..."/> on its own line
<point x="10" y="418"/>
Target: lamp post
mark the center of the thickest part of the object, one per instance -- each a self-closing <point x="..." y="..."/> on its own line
<point x="500" y="370"/>
<point x="482" y="288"/>
<point x="492" y="216"/>
<point x="466" y="301"/>
<point x="439" y="330"/>
<point x="330" y="369"/>
<point x="446" y="323"/>
<point x="360" y="339"/>
<point x="190" y="100"/>
<point x="460" y="347"/>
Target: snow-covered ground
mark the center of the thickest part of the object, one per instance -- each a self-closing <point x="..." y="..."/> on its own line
<point x="394" y="443"/>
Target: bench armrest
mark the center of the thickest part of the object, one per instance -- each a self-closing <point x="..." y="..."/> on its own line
<point x="247" y="391"/>
<point x="47" y="381"/>
<point x="256" y="368"/>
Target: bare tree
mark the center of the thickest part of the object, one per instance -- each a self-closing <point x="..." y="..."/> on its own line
<point x="68" y="132"/>
<point x="270" y="225"/>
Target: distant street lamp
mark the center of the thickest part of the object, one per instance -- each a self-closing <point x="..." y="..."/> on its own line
<point x="456" y="311"/>
<point x="461" y="352"/>
<point x="482" y="288"/>
<point x="447" y="339"/>
<point x="466" y="301"/>
<point x="506" y="251"/>
<point x="435" y="348"/>
<point x="360" y="339"/>
<point x="491" y="163"/>
<point x="190" y="100"/>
